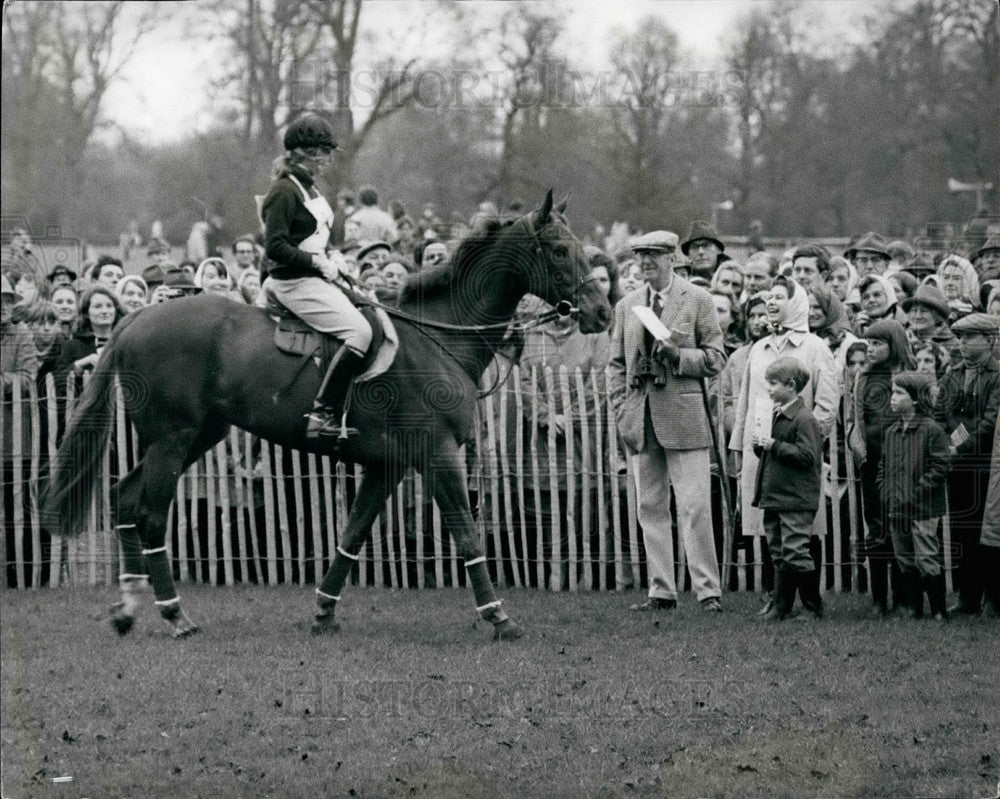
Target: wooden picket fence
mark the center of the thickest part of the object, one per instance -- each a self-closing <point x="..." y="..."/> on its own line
<point x="250" y="511"/>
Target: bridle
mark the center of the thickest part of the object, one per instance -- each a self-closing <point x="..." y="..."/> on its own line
<point x="561" y="310"/>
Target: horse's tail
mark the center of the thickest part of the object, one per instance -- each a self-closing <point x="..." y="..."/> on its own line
<point x="76" y="468"/>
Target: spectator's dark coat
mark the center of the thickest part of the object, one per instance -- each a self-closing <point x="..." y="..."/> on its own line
<point x="976" y="406"/>
<point x="913" y="472"/>
<point x="788" y="475"/>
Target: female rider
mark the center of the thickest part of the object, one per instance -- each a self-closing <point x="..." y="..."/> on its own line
<point x="297" y="222"/>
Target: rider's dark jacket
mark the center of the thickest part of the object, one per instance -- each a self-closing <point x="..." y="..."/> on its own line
<point x="287" y="222"/>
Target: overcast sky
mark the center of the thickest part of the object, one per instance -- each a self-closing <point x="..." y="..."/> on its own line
<point x="165" y="91"/>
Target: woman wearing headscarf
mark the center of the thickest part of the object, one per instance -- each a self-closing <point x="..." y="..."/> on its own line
<point x="878" y="301"/>
<point x="788" y="315"/>
<point x="828" y="320"/>
<point x="888" y="354"/>
<point x="132" y="293"/>
<point x="842" y="278"/>
<point x="960" y="283"/>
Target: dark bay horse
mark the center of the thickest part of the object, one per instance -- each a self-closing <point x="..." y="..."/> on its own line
<point x="189" y="368"/>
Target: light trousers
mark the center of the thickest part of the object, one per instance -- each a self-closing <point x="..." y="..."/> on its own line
<point x="322" y="306"/>
<point x="687" y="470"/>
<point x="915" y="542"/>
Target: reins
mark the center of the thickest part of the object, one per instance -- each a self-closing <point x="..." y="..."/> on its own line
<point x="562" y="309"/>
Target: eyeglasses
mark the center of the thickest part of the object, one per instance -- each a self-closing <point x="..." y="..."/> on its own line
<point x="244" y="252"/>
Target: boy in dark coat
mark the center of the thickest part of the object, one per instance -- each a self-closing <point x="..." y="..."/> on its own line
<point x="967" y="407"/>
<point x="788" y="488"/>
<point x="912" y="478"/>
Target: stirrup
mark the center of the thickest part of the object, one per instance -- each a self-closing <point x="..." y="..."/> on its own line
<point x="324" y="423"/>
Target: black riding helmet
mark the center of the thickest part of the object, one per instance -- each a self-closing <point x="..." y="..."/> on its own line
<point x="310" y="130"/>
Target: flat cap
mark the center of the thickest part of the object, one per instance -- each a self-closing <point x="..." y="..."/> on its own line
<point x="657" y="241"/>
<point x="977" y="323"/>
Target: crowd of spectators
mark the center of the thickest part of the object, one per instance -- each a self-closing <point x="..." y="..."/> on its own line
<point x="862" y="318"/>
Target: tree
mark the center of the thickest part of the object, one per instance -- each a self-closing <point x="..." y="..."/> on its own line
<point x="289" y="57"/>
<point x="58" y="63"/>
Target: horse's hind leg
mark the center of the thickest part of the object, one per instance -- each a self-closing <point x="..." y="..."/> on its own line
<point x="369" y="501"/>
<point x="162" y="466"/>
<point x="132" y="580"/>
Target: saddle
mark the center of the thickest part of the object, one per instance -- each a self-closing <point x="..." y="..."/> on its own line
<point x="292" y="336"/>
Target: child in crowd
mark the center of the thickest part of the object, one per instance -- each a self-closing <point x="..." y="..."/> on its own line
<point x="788" y="488"/>
<point x="912" y="479"/>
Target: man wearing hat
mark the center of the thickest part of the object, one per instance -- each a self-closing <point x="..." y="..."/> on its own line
<point x="705" y="249"/>
<point x="927" y="313"/>
<point x="153" y="275"/>
<point x="656" y="391"/>
<point x="921" y="265"/>
<point x="967" y="407"/>
<point x="374" y="252"/>
<point x="901" y="253"/>
<point x="62" y="275"/>
<point x="869" y="254"/>
<point x="175" y="283"/>
<point x="986" y="259"/>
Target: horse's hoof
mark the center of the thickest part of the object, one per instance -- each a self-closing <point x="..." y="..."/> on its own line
<point x="181" y="626"/>
<point x="322" y="626"/>
<point x="182" y="631"/>
<point x="507" y="630"/>
<point x="121" y="622"/>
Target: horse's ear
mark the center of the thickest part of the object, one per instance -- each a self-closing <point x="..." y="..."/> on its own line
<point x="561" y="208"/>
<point x="542" y="215"/>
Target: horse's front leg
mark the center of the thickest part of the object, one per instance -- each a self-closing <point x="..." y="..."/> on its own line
<point x="449" y="488"/>
<point x="368" y="503"/>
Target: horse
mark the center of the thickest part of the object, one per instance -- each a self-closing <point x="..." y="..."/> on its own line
<point x="190" y="368"/>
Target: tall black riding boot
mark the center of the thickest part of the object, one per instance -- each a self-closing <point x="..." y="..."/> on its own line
<point x="785" y="585"/>
<point x="809" y="592"/>
<point x="936" y="591"/>
<point x="989" y="558"/>
<point x="878" y="568"/>
<point x="913" y="589"/>
<point x="900" y="597"/>
<point x="328" y="409"/>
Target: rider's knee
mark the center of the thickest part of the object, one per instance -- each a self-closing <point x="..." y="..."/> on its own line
<point x="361" y="338"/>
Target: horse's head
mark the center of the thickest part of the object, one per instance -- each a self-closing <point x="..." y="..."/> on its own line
<point x="561" y="272"/>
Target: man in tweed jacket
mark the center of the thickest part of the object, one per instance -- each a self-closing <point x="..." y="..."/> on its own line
<point x="656" y="392"/>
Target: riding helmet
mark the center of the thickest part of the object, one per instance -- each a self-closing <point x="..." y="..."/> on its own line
<point x="310" y="130"/>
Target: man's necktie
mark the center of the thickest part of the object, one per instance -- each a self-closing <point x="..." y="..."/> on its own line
<point x="656" y="306"/>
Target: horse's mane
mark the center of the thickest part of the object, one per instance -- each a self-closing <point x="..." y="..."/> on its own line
<point x="433" y="281"/>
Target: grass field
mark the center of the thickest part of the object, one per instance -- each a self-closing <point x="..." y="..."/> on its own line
<point x="413" y="699"/>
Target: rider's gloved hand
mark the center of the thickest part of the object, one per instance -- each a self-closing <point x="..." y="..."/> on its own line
<point x="330" y="264"/>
